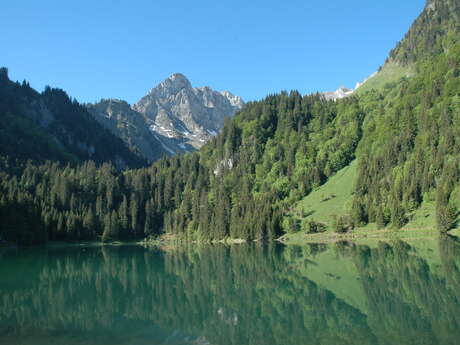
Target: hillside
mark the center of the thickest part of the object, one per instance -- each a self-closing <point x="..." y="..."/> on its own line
<point x="406" y="175"/>
<point x="51" y="126"/>
<point x="386" y="156"/>
<point x="432" y="33"/>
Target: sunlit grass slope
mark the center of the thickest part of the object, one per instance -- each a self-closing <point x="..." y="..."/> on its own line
<point x="331" y="198"/>
<point x="334" y="199"/>
<point x="389" y="73"/>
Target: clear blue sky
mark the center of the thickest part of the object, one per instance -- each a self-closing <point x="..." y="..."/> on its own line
<point x="120" y="49"/>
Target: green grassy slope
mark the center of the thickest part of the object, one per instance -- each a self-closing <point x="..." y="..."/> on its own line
<point x="390" y="73"/>
<point x="330" y="199"/>
<point x="334" y="198"/>
<point x="423" y="218"/>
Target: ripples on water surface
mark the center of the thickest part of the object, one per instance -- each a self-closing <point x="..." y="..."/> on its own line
<point x="388" y="293"/>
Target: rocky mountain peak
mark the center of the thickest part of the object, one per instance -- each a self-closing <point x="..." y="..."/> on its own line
<point x="173" y="117"/>
<point x="236" y="101"/>
<point x="177" y="110"/>
<point x="172" y="85"/>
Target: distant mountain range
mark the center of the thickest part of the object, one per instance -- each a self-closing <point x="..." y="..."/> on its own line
<point x="172" y="118"/>
<point x="340" y="93"/>
<point x="343" y="91"/>
<point x="173" y="115"/>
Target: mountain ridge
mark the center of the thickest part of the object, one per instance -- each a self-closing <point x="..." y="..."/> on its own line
<point x="50" y="125"/>
<point x="176" y="117"/>
<point x="176" y="109"/>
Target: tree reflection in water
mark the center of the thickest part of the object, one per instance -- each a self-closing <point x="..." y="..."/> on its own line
<point x="246" y="294"/>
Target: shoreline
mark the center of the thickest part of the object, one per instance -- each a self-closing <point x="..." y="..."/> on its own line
<point x="298" y="239"/>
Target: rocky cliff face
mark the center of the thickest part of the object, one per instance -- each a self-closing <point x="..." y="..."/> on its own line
<point x="173" y="117"/>
<point x="175" y="109"/>
<point x="130" y="126"/>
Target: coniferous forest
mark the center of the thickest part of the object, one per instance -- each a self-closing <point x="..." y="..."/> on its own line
<point x="77" y="181"/>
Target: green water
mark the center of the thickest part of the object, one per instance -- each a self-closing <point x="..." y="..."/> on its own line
<point x="398" y="293"/>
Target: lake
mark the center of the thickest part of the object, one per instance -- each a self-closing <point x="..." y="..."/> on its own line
<point x="379" y="293"/>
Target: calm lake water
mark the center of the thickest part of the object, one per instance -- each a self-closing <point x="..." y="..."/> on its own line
<point x="385" y="293"/>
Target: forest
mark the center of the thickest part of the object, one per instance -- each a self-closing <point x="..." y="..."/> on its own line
<point x="244" y="183"/>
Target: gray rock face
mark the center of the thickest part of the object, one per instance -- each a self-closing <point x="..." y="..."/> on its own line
<point x="172" y="118"/>
<point x="127" y="124"/>
<point x="175" y="109"/>
<point x="340" y="93"/>
<point x="430" y="5"/>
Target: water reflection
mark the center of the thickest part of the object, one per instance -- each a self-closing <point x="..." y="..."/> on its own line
<point x="394" y="293"/>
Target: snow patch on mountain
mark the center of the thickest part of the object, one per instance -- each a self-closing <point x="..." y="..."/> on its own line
<point x="340" y="93"/>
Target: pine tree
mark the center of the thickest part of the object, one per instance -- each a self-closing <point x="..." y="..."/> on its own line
<point x="89" y="223"/>
<point x="445" y="212"/>
<point x="124" y="218"/>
